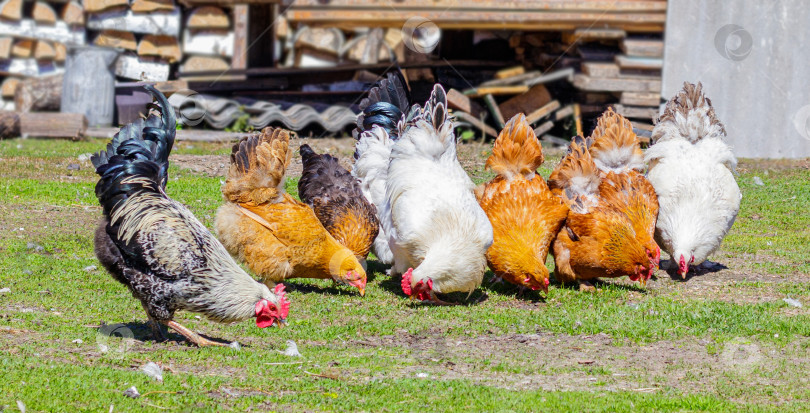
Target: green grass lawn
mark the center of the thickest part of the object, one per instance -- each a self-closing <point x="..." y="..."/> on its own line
<point x="723" y="341"/>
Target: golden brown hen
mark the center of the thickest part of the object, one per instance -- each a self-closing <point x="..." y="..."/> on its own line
<point x="609" y="231"/>
<point x="277" y="236"/>
<point x="525" y="215"/>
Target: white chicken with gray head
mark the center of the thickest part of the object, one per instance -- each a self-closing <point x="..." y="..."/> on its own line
<point x="438" y="233"/>
<point x="692" y="169"/>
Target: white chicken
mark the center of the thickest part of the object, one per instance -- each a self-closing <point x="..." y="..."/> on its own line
<point x="692" y="170"/>
<point x="438" y="233"/>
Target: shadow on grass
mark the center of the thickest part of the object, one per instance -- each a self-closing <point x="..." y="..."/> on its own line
<point x="600" y="283"/>
<point x="141" y="331"/>
<point x="707" y="267"/>
<point x="333" y="289"/>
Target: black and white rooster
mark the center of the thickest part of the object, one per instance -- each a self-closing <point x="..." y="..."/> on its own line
<point x="156" y="247"/>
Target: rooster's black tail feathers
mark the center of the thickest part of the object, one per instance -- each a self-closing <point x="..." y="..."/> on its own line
<point x="385" y="105"/>
<point x="138" y="157"/>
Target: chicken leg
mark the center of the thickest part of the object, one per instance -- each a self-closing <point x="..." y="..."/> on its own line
<point x="193" y="337"/>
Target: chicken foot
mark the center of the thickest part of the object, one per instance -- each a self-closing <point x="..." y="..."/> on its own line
<point x="586" y="286"/>
<point x="191" y="336"/>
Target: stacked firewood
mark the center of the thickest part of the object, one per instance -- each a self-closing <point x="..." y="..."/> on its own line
<point x="147" y="31"/>
<point x="33" y="41"/>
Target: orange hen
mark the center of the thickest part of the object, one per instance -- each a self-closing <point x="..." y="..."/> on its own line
<point x="525" y="215"/>
<point x="276" y="236"/>
<point x="609" y="231"/>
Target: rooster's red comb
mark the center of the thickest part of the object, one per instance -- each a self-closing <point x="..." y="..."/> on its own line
<point x="406" y="282"/>
<point x="283" y="302"/>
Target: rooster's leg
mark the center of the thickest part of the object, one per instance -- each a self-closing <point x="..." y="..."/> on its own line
<point x="193" y="337"/>
<point x="157" y="332"/>
<point x="496" y="280"/>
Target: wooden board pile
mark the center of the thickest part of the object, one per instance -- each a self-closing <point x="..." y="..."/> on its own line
<point x="627" y="68"/>
<point x="146" y="30"/>
<point x="33" y="41"/>
<point x="518" y="91"/>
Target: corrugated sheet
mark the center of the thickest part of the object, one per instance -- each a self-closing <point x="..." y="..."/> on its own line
<point x="220" y="113"/>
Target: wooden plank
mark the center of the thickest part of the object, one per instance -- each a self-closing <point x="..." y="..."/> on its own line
<point x="43" y="13"/>
<point x="150" y="6"/>
<point x="204" y="64"/>
<point x="637" y="112"/>
<point x="628" y="84"/>
<point x="542" y="112"/>
<point x="496" y="90"/>
<point x="564" y="113"/>
<point x="495" y="111"/>
<point x="458" y="101"/>
<point x="642" y="47"/>
<point x="519" y="79"/>
<point x="510" y="72"/>
<point x="29" y="29"/>
<point x="142" y="68"/>
<point x="640" y="99"/>
<point x="453" y="18"/>
<point x="639" y="63"/>
<point x="567" y="73"/>
<point x="73" y="14"/>
<point x="116" y="39"/>
<point x="95" y="6"/>
<point x="52" y="125"/>
<point x="166" y="47"/>
<point x="472" y="120"/>
<point x="208" y="17"/>
<point x="600" y="69"/>
<point x="208" y="42"/>
<point x="592" y="34"/>
<point x="240" y="37"/>
<point x="543" y="128"/>
<point x="165" y="23"/>
<point x="508" y="5"/>
<point x="534" y="98"/>
<point x="11" y="9"/>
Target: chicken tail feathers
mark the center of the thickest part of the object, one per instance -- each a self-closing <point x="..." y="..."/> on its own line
<point x="322" y="176"/>
<point x="156" y="132"/>
<point x="615" y="146"/>
<point x="384" y="106"/>
<point x="576" y="178"/>
<point x="688" y="115"/>
<point x="258" y="165"/>
<point x="516" y="151"/>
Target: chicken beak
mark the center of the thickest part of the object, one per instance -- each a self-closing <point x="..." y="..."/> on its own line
<point x="362" y="292"/>
<point x="642" y="280"/>
<point x="683" y="274"/>
<point x="281" y="323"/>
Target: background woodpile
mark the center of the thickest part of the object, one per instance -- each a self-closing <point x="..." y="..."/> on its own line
<point x="559" y="61"/>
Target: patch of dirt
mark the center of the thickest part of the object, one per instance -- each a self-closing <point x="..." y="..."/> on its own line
<point x="35" y="222"/>
<point x="746" y="165"/>
<point x="567" y="363"/>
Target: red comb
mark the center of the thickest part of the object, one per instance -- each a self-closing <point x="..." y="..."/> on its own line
<point x="406" y="282"/>
<point x="283" y="302"/>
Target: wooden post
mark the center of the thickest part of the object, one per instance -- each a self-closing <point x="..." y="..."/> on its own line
<point x="240" y="44"/>
<point x="496" y="112"/>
